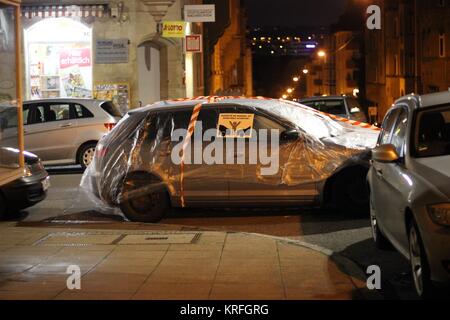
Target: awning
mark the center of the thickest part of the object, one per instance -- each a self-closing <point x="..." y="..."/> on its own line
<point x="80" y="11"/>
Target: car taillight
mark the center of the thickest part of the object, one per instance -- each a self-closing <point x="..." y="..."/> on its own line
<point x="109" y="126"/>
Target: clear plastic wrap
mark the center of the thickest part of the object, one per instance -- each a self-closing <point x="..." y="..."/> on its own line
<point x="143" y="143"/>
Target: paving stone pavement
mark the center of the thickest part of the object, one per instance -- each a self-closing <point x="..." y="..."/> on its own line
<point x="141" y="263"/>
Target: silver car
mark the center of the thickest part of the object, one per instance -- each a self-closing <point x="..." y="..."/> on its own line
<point x="410" y="187"/>
<point x="315" y="160"/>
<point x="63" y="131"/>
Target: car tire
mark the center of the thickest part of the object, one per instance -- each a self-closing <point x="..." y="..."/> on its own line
<point x="381" y="242"/>
<point x="150" y="207"/>
<point x="350" y="192"/>
<point x="85" y="154"/>
<point x="419" y="264"/>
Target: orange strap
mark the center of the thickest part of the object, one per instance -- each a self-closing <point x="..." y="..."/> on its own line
<point x="186" y="141"/>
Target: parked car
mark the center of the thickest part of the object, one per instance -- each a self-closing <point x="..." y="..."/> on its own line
<point x="410" y="187"/>
<point x="343" y="106"/>
<point x="26" y="191"/>
<point x="320" y="160"/>
<point x="63" y="131"/>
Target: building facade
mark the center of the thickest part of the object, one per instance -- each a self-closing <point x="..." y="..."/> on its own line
<point x="64" y="51"/>
<point x="228" y="56"/>
<point x="337" y="72"/>
<point x="411" y="52"/>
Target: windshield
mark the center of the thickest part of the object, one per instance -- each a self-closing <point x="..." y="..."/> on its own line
<point x="432" y="138"/>
<point x="336" y="107"/>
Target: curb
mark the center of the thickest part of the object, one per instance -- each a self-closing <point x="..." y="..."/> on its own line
<point x="348" y="266"/>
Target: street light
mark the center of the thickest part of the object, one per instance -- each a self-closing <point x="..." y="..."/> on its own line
<point x="290" y="90"/>
<point x="321" y="54"/>
<point x="295" y="79"/>
<point x="284" y="96"/>
<point x="305" y="71"/>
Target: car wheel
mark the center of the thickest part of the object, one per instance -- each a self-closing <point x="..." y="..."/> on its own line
<point x="151" y="206"/>
<point x="381" y="242"/>
<point x="86" y="154"/>
<point x="350" y="192"/>
<point x="419" y="264"/>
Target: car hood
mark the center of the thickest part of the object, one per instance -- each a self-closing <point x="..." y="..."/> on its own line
<point x="436" y="171"/>
<point x="9" y="156"/>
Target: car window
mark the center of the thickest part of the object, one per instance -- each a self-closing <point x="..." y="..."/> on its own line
<point x="26" y="114"/>
<point x="399" y="132"/>
<point x="82" y="112"/>
<point x="57" y="112"/>
<point x="328" y="106"/>
<point x="35" y="114"/>
<point x="432" y="129"/>
<point x="386" y="127"/>
<point x="173" y="120"/>
<point x="263" y="122"/>
<point x="355" y="108"/>
<point x="208" y="118"/>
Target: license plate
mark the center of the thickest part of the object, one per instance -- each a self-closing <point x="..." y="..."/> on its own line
<point x="46" y="184"/>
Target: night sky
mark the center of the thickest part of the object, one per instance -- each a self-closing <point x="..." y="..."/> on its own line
<point x="293" y="13"/>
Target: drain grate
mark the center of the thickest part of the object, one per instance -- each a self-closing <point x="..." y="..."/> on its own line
<point x="112" y="238"/>
<point x="179" y="238"/>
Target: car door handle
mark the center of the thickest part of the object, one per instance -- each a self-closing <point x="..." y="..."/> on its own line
<point x="65" y="125"/>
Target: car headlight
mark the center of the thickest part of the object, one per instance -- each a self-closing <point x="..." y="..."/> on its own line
<point x="440" y="213"/>
<point x="28" y="171"/>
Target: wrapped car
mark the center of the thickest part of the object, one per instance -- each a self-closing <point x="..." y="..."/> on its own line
<point x="230" y="152"/>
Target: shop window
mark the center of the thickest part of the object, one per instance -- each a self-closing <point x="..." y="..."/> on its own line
<point x="58" y="59"/>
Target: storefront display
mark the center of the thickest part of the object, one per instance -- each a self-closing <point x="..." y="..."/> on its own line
<point x="119" y="93"/>
<point x="59" y="59"/>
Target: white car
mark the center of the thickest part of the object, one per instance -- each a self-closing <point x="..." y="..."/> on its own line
<point x="62" y="131"/>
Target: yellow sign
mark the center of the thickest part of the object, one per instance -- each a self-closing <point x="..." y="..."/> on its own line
<point x="173" y="29"/>
<point x="235" y="125"/>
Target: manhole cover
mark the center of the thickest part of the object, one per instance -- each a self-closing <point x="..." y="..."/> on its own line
<point x="182" y="238"/>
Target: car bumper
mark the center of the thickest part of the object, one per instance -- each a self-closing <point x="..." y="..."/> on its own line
<point x="26" y="191"/>
<point x="436" y="241"/>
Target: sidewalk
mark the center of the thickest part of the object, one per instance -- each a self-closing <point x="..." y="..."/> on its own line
<point x="167" y="263"/>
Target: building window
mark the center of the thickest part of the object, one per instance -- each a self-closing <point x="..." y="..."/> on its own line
<point x="442" y="45"/>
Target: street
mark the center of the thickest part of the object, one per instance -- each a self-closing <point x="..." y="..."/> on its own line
<point x="349" y="236"/>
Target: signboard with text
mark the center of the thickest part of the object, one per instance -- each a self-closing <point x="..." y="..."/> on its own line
<point x="193" y="43"/>
<point x="74" y="56"/>
<point x="109" y="51"/>
<point x="173" y="29"/>
<point x="200" y="13"/>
